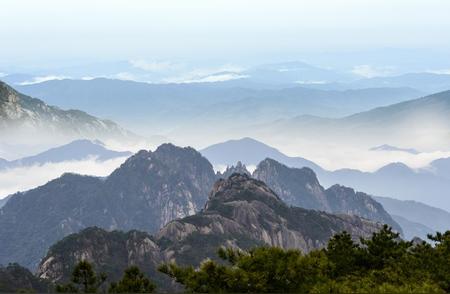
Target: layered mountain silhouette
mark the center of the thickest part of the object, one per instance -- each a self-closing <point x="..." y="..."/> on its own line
<point x="436" y="219"/>
<point x="30" y="119"/>
<point x="426" y="118"/>
<point x="251" y="152"/>
<point x="289" y="183"/>
<point x="73" y="151"/>
<point x="427" y="185"/>
<point x="386" y="147"/>
<point x="145" y="193"/>
<point x="152" y="108"/>
<point x="241" y="212"/>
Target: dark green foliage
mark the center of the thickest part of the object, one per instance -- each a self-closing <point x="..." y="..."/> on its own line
<point x="15" y="278"/>
<point x="382" y="264"/>
<point x="133" y="281"/>
<point x="84" y="280"/>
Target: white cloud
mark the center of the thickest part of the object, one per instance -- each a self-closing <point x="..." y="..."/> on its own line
<point x="37" y="80"/>
<point x="89" y="78"/>
<point x="217" y="78"/>
<point x="369" y="71"/>
<point x="126" y="76"/>
<point x="25" y="178"/>
<point x="440" y="71"/>
<point x="216" y="74"/>
<point x="154" y="65"/>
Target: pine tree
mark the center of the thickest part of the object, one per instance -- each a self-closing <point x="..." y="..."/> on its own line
<point x="133" y="281"/>
<point x="84" y="280"/>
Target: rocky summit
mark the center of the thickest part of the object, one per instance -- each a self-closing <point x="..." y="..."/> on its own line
<point x="300" y="187"/>
<point x="27" y="116"/>
<point x="146" y="192"/>
<point x="241" y="212"/>
<point x="239" y="168"/>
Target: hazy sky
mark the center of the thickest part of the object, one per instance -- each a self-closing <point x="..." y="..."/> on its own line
<point x="50" y="33"/>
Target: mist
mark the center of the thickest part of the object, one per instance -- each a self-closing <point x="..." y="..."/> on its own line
<point x="25" y="178"/>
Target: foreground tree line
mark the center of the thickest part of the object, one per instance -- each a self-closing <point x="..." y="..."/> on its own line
<point x="382" y="264"/>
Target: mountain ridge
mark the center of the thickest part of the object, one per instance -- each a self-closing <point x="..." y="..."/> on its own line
<point x="240" y="212"/>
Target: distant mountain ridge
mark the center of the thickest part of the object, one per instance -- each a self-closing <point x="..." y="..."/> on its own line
<point x="386" y="147"/>
<point x="251" y="152"/>
<point x="146" y="192"/>
<point x="21" y="115"/>
<point x="394" y="180"/>
<point x="75" y="150"/>
<point x="427" y="117"/>
<point x="156" y="108"/>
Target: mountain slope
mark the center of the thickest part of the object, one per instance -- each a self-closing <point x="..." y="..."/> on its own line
<point x="172" y="109"/>
<point x="435" y="218"/>
<point x="147" y="191"/>
<point x="399" y="181"/>
<point x="23" y="116"/>
<point x="75" y="150"/>
<point x="412" y="229"/>
<point x="426" y="118"/>
<point x="394" y="180"/>
<point x="241" y="212"/>
<point x="17" y="279"/>
<point x="300" y="187"/>
<point x="251" y="152"/>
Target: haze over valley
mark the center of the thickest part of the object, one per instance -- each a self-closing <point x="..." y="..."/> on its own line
<point x="257" y="147"/>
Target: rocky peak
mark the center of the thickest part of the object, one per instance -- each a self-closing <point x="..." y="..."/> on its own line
<point x="146" y="192"/>
<point x="345" y="200"/>
<point x="297" y="187"/>
<point x="241" y="187"/>
<point x="239" y="168"/>
<point x="7" y="94"/>
<point x="241" y="212"/>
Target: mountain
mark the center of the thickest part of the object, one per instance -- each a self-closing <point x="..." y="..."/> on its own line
<point x="239" y="168"/>
<point x="3" y="201"/>
<point x="426" y="118"/>
<point x="250" y="152"/>
<point x="440" y="167"/>
<point x="300" y="187"/>
<point x="73" y="151"/>
<point x="241" y="212"/>
<point x="386" y="147"/>
<point x="30" y="119"/>
<point x="294" y="72"/>
<point x="426" y="82"/>
<point x="396" y="180"/>
<point x="17" y="279"/>
<point x="435" y="218"/>
<point x="110" y="251"/>
<point x="147" y="191"/>
<point x="297" y="187"/>
<point x="412" y="229"/>
<point x="173" y="109"/>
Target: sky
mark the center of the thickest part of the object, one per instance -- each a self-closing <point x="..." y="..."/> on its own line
<point x="54" y="33"/>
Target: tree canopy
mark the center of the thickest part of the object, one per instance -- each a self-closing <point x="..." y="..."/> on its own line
<point x="383" y="263"/>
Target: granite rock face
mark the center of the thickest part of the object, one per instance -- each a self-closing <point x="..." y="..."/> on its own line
<point x="146" y="192"/>
<point x="239" y="168"/>
<point x="241" y="212"/>
<point x="21" y="114"/>
<point x="300" y="187"/>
